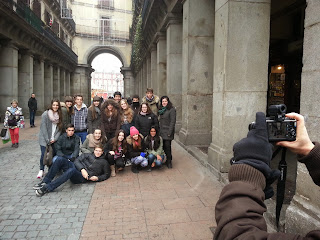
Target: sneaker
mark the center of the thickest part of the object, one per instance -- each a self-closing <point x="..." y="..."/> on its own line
<point x="17" y="145"/>
<point x="40" y="174"/>
<point x="128" y="163"/>
<point x="39" y="185"/>
<point x="42" y="191"/>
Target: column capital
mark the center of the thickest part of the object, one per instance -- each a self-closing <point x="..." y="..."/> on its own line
<point x="172" y="18"/>
<point x="152" y="47"/>
<point x="159" y="36"/>
<point x="26" y="52"/>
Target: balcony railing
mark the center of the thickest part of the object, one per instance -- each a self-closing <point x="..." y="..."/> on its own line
<point x="28" y="16"/>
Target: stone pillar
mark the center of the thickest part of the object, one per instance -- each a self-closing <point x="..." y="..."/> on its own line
<point x="161" y="64"/>
<point x="38" y="80"/>
<point x="81" y="82"/>
<point x="48" y="84"/>
<point x="25" y="80"/>
<point x="67" y="84"/>
<point x="145" y="75"/>
<point x="127" y="82"/>
<point x="56" y="82"/>
<point x="197" y="72"/>
<point x="149" y="70"/>
<point x="240" y="75"/>
<point x="174" y="67"/>
<point x="305" y="205"/>
<point x="62" y="83"/>
<point x="8" y="76"/>
<point x="154" y="74"/>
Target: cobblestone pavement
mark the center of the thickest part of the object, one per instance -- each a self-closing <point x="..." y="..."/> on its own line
<point x="173" y="203"/>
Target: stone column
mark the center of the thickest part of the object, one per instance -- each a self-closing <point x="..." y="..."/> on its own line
<point x="8" y="76"/>
<point x="67" y="84"/>
<point x="145" y="75"/>
<point x="148" y="70"/>
<point x="197" y="72"/>
<point x="240" y="75"/>
<point x="174" y="67"/>
<point x="56" y="82"/>
<point x="81" y="82"/>
<point x="25" y="80"/>
<point x="48" y="83"/>
<point x="161" y="64"/>
<point x="62" y="83"/>
<point x="305" y="205"/>
<point x="127" y="78"/>
<point x="154" y="74"/>
<point x="38" y="80"/>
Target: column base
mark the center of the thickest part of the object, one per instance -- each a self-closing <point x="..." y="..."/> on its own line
<point x="194" y="138"/>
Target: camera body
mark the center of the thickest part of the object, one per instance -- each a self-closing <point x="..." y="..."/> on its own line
<point x="280" y="128"/>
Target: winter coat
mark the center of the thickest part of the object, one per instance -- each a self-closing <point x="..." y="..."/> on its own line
<point x="85" y="146"/>
<point x="32" y="104"/>
<point x="154" y="104"/>
<point x="46" y="130"/>
<point x="239" y="211"/>
<point x="17" y="113"/>
<point x="66" y="117"/>
<point x="93" y="123"/>
<point x="132" y="153"/>
<point x="167" y="124"/>
<point x="67" y="145"/>
<point x="144" y="123"/>
<point x="95" y="166"/>
<point x="158" y="151"/>
<point x="114" y="124"/>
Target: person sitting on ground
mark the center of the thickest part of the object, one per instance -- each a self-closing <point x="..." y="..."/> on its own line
<point x="154" y="148"/>
<point x="87" y="167"/>
<point x="116" y="150"/>
<point x="135" y="104"/>
<point x="145" y="119"/>
<point x="239" y="210"/>
<point x="93" y="140"/>
<point x="136" y="150"/>
<point x="126" y="116"/>
<point x="68" y="145"/>
<point x="94" y="115"/>
<point x="152" y="100"/>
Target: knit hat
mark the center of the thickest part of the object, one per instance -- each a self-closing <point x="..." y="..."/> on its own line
<point x="133" y="131"/>
<point x="96" y="98"/>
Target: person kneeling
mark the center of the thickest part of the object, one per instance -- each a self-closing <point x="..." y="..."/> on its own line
<point x="87" y="167"/>
<point x="154" y="145"/>
<point x="136" y="150"/>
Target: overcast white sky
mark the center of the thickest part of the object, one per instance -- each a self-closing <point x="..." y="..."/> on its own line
<point x="106" y="62"/>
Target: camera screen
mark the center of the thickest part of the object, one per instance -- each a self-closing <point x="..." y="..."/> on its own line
<point x="282" y="131"/>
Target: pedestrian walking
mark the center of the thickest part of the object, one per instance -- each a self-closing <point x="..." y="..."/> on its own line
<point x="94" y="115"/>
<point x="14" y="120"/>
<point x="167" y="119"/>
<point x="32" y="105"/>
<point x="50" y="129"/>
<point x="145" y="119"/>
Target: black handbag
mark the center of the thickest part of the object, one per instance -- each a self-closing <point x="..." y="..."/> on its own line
<point x="3" y="132"/>
<point x="48" y="155"/>
<point x="12" y="120"/>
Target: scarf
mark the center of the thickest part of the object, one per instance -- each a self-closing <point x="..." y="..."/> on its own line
<point x="150" y="99"/>
<point x="92" y="141"/>
<point x="142" y="113"/>
<point x="97" y="110"/>
<point x="162" y="110"/>
<point x="53" y="116"/>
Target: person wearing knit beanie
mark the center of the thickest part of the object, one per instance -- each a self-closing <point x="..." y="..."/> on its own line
<point x="133" y="131"/>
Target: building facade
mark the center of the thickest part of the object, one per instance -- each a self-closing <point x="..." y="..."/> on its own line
<point x="222" y="61"/>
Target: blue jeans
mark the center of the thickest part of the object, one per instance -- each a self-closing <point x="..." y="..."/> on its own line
<point x="69" y="172"/>
<point x="82" y="135"/>
<point x="55" y="158"/>
<point x="152" y="158"/>
<point x="32" y="116"/>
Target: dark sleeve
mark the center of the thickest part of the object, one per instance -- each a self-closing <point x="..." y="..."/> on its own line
<point x="29" y="103"/>
<point x="106" y="172"/>
<point x="137" y="123"/>
<point x="172" y="120"/>
<point x="118" y="121"/>
<point x="58" y="146"/>
<point x="76" y="147"/>
<point x="90" y="121"/>
<point x="156" y="122"/>
<point x="312" y="162"/>
<point x="239" y="210"/>
<point x="108" y="146"/>
<point x="79" y="161"/>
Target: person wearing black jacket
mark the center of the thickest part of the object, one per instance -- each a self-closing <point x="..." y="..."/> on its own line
<point x="87" y="167"/>
<point x="68" y="145"/>
<point x="32" y="105"/>
<point x="145" y="119"/>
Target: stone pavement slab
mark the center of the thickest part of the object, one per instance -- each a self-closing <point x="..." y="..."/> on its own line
<point x="173" y="203"/>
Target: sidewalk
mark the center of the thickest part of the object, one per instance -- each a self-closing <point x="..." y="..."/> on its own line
<point x="173" y="203"/>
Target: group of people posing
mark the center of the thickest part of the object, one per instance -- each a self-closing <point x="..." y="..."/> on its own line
<point x="109" y="134"/>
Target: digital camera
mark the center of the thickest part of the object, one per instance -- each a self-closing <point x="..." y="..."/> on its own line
<point x="280" y="128"/>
